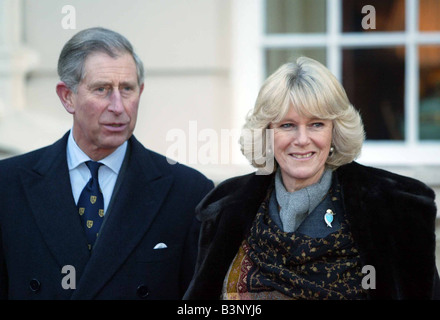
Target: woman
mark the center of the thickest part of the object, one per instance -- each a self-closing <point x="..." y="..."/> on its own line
<point x="319" y="225"/>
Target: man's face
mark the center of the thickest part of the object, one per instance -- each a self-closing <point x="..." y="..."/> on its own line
<point x="106" y="103"/>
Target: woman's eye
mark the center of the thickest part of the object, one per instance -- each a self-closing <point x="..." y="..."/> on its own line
<point x="286" y="126"/>
<point x="317" y="124"/>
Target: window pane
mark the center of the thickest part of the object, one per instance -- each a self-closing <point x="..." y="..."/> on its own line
<point x="429" y="112"/>
<point x="374" y="81"/>
<point x="387" y="15"/>
<point x="277" y="57"/>
<point x="298" y="16"/>
<point x="429" y="15"/>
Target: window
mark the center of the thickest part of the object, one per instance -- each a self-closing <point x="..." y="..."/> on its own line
<point x="385" y="53"/>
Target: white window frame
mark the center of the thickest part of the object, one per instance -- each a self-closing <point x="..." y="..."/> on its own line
<point x="249" y="42"/>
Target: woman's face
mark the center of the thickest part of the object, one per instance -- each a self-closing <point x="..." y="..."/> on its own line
<point x="301" y="147"/>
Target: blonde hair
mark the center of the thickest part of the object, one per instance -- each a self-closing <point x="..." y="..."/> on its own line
<point x="312" y="90"/>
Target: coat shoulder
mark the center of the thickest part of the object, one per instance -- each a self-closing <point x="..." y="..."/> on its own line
<point x="187" y="181"/>
<point x="375" y="179"/>
<point x="37" y="159"/>
<point x="23" y="159"/>
<point x="165" y="164"/>
<point x="240" y="194"/>
<point x="9" y="167"/>
<point x="178" y="170"/>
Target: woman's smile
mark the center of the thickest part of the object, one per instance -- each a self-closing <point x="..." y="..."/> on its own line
<point x="301" y="148"/>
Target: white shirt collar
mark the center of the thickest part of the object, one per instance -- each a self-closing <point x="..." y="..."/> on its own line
<point x="75" y="156"/>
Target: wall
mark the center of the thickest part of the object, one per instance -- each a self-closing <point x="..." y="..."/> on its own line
<point x="185" y="47"/>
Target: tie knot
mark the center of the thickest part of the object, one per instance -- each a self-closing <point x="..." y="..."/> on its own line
<point x="93" y="167"/>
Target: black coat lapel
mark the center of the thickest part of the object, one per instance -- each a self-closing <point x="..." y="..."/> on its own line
<point x="142" y="191"/>
<point x="48" y="190"/>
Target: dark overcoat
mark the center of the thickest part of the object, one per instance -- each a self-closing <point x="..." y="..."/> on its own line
<point x="42" y="240"/>
<point x="392" y="219"/>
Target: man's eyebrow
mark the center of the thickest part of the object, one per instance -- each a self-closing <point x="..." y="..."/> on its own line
<point x="130" y="83"/>
<point x="103" y="83"/>
<point x="99" y="83"/>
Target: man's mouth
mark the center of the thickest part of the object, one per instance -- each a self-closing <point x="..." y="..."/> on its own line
<point x="115" y="126"/>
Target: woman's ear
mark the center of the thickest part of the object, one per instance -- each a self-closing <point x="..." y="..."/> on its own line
<point x="66" y="96"/>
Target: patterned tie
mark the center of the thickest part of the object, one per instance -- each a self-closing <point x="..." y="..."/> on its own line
<point x="91" y="204"/>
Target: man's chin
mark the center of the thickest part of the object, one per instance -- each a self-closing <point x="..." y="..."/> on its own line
<point x="114" y="141"/>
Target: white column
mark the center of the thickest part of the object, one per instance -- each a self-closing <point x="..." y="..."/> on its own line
<point x="246" y="62"/>
<point x="15" y="59"/>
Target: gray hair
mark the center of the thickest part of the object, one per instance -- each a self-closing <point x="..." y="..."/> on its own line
<point x="311" y="89"/>
<point x="81" y="45"/>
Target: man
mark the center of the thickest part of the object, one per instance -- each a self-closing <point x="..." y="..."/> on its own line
<point x="96" y="215"/>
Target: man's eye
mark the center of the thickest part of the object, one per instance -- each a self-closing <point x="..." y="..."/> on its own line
<point x="101" y="89"/>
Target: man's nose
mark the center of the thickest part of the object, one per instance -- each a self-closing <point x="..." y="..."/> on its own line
<point x="116" y="103"/>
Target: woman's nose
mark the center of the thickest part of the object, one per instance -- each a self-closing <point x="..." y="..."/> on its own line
<point x="301" y="136"/>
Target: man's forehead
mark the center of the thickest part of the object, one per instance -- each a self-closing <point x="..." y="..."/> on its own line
<point x="100" y="59"/>
<point x="100" y="67"/>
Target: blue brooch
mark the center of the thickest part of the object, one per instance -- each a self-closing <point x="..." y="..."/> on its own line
<point x="328" y="217"/>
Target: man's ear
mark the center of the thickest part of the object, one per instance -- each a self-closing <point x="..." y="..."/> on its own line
<point x="66" y="96"/>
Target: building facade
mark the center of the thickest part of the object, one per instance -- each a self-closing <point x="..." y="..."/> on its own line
<point x="206" y="59"/>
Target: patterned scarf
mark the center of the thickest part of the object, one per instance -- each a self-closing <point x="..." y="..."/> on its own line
<point x="272" y="264"/>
